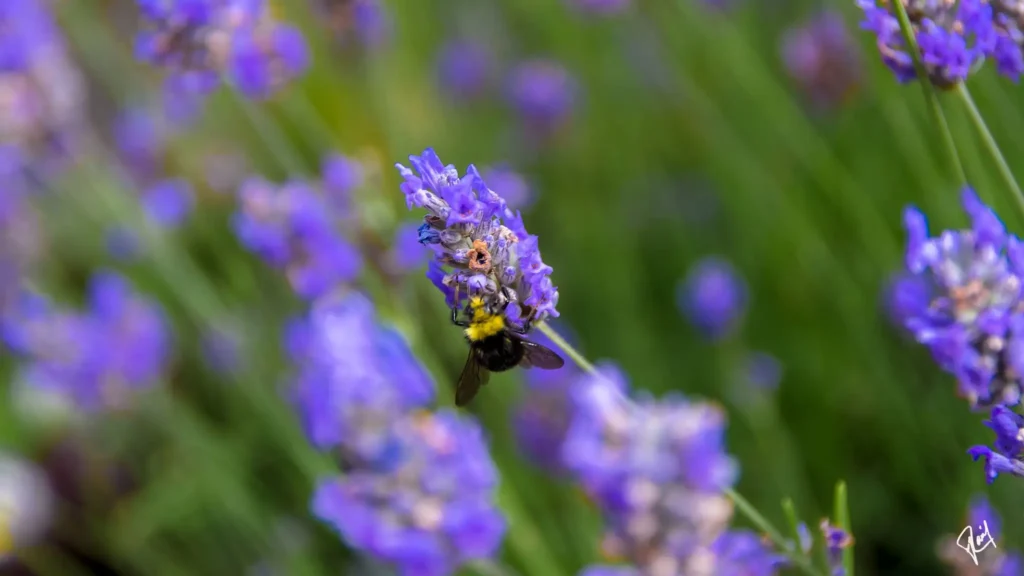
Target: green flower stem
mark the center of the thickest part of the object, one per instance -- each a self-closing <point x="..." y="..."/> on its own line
<point x="748" y="510"/>
<point x="744" y="507"/>
<point x="990" y="144"/>
<point x="930" y="96"/>
<point x="841" y="516"/>
<point x="566" y="347"/>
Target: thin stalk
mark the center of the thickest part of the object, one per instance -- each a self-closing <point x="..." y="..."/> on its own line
<point x="930" y="96"/>
<point x="991" y="145"/>
<point x="567" y="348"/>
<point x="748" y="510"/>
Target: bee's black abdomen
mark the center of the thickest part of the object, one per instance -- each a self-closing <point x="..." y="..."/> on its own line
<point x="499" y="353"/>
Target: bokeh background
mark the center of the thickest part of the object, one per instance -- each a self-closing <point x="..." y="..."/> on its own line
<point x="690" y="130"/>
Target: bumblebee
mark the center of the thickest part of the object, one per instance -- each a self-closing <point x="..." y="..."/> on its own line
<point x="495" y="346"/>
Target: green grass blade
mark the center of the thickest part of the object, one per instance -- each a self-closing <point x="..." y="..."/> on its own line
<point x="841" y="516"/>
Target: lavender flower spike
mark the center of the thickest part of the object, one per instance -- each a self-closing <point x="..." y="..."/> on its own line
<point x="954" y="37"/>
<point x="480" y="246"/>
<point x="713" y="296"/>
<point x="294" y="227"/>
<point x="658" y="470"/>
<point x="199" y="41"/>
<point x="430" y="507"/>
<point x="355" y="378"/>
<point x="1008" y="454"/>
<point x="99" y="357"/>
<point x="823" y="59"/>
<point x="961" y="297"/>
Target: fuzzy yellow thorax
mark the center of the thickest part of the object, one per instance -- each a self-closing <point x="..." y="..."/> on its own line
<point x="482" y="324"/>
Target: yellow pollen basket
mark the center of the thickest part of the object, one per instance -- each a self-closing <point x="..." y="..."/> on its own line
<point x="483" y="324"/>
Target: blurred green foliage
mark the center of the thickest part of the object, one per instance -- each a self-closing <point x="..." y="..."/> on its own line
<point x="687" y="140"/>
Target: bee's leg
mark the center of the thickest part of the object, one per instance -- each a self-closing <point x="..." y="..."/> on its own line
<point x="455" y="318"/>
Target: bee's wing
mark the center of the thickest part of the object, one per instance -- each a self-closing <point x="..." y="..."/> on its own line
<point x="537" y="356"/>
<point x="474" y="375"/>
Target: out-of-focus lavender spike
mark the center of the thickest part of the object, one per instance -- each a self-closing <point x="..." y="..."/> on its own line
<point x="200" y="41"/>
<point x="362" y="23"/>
<point x="100" y="357"/>
<point x="658" y="469"/>
<point x="823" y="59"/>
<point x="222" y="349"/>
<point x="465" y="69"/>
<point x="543" y="93"/>
<point x="42" y="95"/>
<point x="713" y="296"/>
<point x="510" y="185"/>
<point x="140" y="137"/>
<point x="355" y="377"/>
<point x="407" y="254"/>
<point x="168" y="202"/>
<point x="293" y="228"/>
<point x="430" y="507"/>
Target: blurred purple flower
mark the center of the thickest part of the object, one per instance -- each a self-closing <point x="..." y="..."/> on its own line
<point x="657" y="469"/>
<point x="140" y="137"/>
<point x="602" y="7"/>
<point x="713" y="296"/>
<point x="342" y="176"/>
<point x="123" y="243"/>
<point x="763" y="371"/>
<point x="222" y="350"/>
<point x="365" y="23"/>
<point x="510" y="185"/>
<point x="953" y="38"/>
<point x="42" y="95"/>
<point x="292" y="228"/>
<point x="962" y="299"/>
<point x="199" y="41"/>
<point x="120" y="344"/>
<point x="822" y="57"/>
<point x="168" y="202"/>
<point x="265" y="58"/>
<point x="428" y="509"/>
<point x="836" y="541"/>
<point x="543" y="93"/>
<point x="407" y="254"/>
<point x="473" y="232"/>
<point x="464" y="69"/>
<point x="355" y="377"/>
<point x="996" y="561"/>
